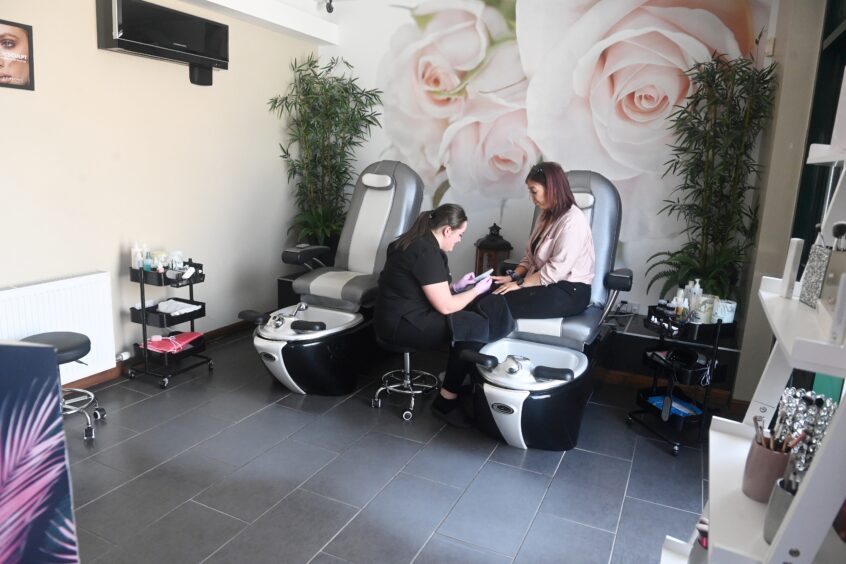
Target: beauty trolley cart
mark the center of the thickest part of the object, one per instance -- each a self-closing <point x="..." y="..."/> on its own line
<point x="167" y="364"/>
<point x="675" y="364"/>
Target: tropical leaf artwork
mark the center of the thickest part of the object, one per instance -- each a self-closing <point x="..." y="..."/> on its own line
<point x="36" y="522"/>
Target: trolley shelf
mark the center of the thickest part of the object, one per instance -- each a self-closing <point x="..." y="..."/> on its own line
<point x="153" y="278"/>
<point x="198" y="345"/>
<point x="159" y="319"/>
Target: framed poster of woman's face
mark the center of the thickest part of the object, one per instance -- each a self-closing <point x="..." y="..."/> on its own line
<point x="16" y="68"/>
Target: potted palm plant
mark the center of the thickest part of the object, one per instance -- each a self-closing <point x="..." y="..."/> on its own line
<point x="328" y="115"/>
<point x="714" y="157"/>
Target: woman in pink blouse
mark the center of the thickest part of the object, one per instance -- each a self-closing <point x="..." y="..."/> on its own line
<point x="553" y="278"/>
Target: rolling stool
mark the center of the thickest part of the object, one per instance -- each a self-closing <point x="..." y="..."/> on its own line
<point x="405" y="380"/>
<point x="71" y="347"/>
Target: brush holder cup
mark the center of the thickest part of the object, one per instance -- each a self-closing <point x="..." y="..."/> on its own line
<point x="763" y="468"/>
<point x="780" y="500"/>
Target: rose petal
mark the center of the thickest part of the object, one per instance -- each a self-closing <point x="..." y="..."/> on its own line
<point x="702" y="24"/>
<point x="461" y="38"/>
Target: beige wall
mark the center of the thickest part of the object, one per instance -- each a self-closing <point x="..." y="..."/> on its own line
<point x="112" y="148"/>
<point x="798" y="37"/>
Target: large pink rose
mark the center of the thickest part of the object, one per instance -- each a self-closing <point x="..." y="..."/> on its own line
<point x="424" y="73"/>
<point x="488" y="151"/>
<point x="604" y="76"/>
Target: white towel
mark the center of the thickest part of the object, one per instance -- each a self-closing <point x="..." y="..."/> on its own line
<point x="174" y="307"/>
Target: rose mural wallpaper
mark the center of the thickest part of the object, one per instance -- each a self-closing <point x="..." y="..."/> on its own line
<point x="477" y="91"/>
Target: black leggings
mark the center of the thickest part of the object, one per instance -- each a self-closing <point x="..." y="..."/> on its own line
<point x="561" y="299"/>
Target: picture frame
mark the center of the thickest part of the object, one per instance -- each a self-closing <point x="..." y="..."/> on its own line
<point x="814" y="275"/>
<point x="16" y="52"/>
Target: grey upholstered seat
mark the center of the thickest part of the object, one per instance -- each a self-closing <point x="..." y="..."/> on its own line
<point x="385" y="201"/>
<point x="600" y="201"/>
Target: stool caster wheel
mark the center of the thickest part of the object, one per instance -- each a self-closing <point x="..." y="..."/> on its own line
<point x="376" y="403"/>
<point x="164" y="383"/>
<point x="131" y="375"/>
<point x="211" y="365"/>
<point x="99" y="413"/>
<point x="88" y="433"/>
<point x="675" y="450"/>
<point x="407" y="415"/>
<point x="629" y="421"/>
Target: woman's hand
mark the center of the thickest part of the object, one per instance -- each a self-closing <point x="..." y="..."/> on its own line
<point x="463" y="282"/>
<point x="507" y="286"/>
<point x="501" y="279"/>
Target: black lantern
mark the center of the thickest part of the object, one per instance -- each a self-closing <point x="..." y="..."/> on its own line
<point x="491" y="250"/>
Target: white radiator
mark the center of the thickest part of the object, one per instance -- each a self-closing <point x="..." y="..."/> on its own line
<point x="82" y="304"/>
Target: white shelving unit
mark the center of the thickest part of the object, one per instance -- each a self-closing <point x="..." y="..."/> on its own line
<point x="737" y="522"/>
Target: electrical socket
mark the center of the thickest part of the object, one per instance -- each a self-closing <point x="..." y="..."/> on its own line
<point x="633" y="307"/>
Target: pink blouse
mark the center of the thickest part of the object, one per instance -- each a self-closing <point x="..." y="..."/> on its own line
<point x="564" y="252"/>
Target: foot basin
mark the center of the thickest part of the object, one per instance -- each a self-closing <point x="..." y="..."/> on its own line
<point x="322" y="362"/>
<point x="533" y="413"/>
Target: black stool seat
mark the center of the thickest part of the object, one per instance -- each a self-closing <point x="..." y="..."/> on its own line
<point x="69" y="346"/>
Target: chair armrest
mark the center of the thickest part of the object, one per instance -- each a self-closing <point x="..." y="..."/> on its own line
<point x="304" y="253"/>
<point x="254" y="316"/>
<point x="619" y="279"/>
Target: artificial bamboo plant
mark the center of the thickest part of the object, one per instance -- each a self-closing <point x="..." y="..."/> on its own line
<point x="328" y="115"/>
<point x="714" y="158"/>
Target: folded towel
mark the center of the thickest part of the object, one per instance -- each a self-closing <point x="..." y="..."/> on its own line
<point x="174" y="307"/>
<point x="174" y="343"/>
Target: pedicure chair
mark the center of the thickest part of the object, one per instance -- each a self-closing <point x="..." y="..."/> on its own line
<point x="316" y="346"/>
<point x="544" y="409"/>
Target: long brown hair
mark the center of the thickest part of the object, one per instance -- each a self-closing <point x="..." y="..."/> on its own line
<point x="558" y="194"/>
<point x="447" y="214"/>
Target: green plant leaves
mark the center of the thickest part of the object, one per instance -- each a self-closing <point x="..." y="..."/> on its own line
<point x="327" y="115"/>
<point x="713" y="156"/>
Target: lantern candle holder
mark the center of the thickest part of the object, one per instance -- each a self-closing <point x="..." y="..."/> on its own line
<point x="491" y="250"/>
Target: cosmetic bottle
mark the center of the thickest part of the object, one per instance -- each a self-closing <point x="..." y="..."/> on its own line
<point x="136" y="259"/>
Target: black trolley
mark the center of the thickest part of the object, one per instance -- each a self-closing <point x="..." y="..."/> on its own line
<point x="677" y="364"/>
<point x="166" y="365"/>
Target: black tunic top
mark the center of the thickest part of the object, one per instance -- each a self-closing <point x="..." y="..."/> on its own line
<point x="400" y="285"/>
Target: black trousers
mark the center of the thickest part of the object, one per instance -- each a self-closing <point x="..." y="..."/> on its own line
<point x="433" y="335"/>
<point x="561" y="299"/>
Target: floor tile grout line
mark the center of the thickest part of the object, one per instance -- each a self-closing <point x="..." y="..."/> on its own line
<point x="594" y="527"/>
<point x="168" y="460"/>
<point x="623" y="504"/>
<point x="404" y="466"/>
<point x="606" y="454"/>
<point x="458" y="499"/>
<point x="275" y="505"/>
<point x="699" y="513"/>
<point x="139" y="433"/>
<point x="540" y="503"/>
<point x="476" y="546"/>
<point x="219" y="511"/>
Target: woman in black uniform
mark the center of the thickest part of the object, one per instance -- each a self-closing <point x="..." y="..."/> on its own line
<point x="416" y="296"/>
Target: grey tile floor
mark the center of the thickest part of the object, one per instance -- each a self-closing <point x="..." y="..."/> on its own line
<point x="229" y="466"/>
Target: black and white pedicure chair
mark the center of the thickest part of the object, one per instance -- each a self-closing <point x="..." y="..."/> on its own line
<point x="534" y="384"/>
<point x="318" y="345"/>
